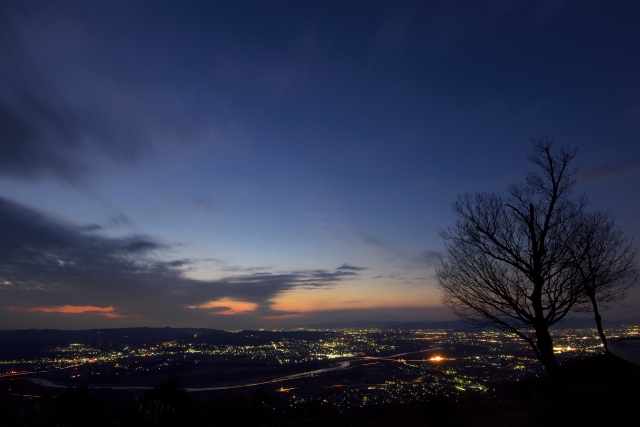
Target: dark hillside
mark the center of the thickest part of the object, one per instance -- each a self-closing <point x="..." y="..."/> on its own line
<point x="599" y="390"/>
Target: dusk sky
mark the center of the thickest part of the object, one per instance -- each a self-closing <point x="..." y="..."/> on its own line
<point x="279" y="164"/>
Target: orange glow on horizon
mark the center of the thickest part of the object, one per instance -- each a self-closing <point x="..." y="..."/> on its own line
<point x="355" y="295"/>
<point x="309" y="305"/>
<point x="283" y="316"/>
<point x="231" y="306"/>
<point x="77" y="309"/>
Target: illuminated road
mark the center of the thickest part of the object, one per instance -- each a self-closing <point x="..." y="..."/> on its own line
<point x="341" y="365"/>
<point x="412" y="352"/>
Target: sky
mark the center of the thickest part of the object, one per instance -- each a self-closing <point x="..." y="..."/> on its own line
<point x="255" y="164"/>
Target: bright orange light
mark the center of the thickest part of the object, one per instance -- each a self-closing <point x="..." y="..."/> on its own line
<point x="230" y="306"/>
<point x="437" y="358"/>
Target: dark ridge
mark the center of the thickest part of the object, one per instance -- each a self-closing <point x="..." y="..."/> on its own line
<point x="22" y="343"/>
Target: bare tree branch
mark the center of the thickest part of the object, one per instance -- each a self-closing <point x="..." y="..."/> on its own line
<point x="510" y="258"/>
<point x="605" y="259"/>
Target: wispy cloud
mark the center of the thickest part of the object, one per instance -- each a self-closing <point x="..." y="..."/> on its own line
<point x="227" y="306"/>
<point x="382" y="246"/>
<point x="611" y="170"/>
<point x="42" y="131"/>
<point x="204" y="205"/>
<point x="350" y="267"/>
<point x="427" y="258"/>
<point x="54" y="267"/>
<point x="76" y="309"/>
<point x="51" y="129"/>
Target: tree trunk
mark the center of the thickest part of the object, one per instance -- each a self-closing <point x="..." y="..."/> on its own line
<point x="545" y="348"/>
<point x="543" y="339"/>
<point x="598" y="319"/>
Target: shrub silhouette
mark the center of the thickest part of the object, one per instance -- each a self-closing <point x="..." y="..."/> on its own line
<point x="167" y="404"/>
<point x="76" y="407"/>
<point x="438" y="410"/>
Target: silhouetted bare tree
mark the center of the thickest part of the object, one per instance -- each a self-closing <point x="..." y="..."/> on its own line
<point x="605" y="259"/>
<point x="509" y="261"/>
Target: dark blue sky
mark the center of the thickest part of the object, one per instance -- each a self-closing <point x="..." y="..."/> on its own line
<point x="247" y="164"/>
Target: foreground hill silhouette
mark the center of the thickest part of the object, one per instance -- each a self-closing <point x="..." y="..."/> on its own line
<point x="598" y="390"/>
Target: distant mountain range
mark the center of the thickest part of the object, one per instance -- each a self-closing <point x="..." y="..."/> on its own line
<point x="94" y="336"/>
<point x="19" y="343"/>
<point x="582" y="322"/>
<point x="459" y="325"/>
<point x="378" y="324"/>
<point x="133" y="336"/>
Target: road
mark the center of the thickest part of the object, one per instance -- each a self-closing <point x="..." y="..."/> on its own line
<point x="250" y="383"/>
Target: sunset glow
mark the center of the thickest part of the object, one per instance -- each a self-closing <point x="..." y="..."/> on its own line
<point x="225" y="169"/>
<point x="353" y="296"/>
<point x="228" y="306"/>
<point x="76" y="309"/>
